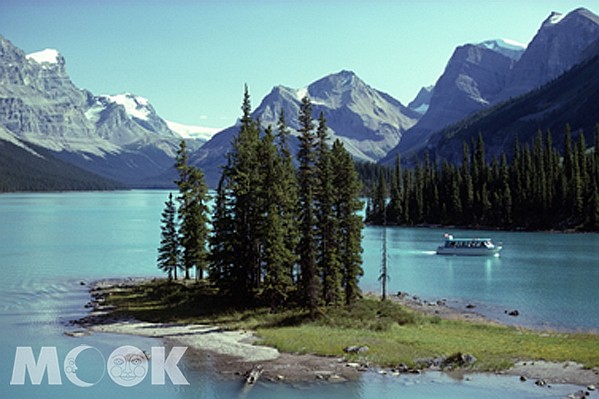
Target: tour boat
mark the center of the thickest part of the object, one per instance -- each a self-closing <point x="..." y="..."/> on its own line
<point x="468" y="246"/>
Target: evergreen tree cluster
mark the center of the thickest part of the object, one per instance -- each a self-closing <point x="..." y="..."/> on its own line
<point x="184" y="230"/>
<point x="283" y="235"/>
<point x="279" y="235"/>
<point x="538" y="189"/>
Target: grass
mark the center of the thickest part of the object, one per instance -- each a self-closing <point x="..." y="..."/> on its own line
<point x="394" y="334"/>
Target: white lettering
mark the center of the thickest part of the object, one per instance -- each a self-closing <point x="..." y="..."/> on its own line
<point x="24" y="360"/>
<point x="160" y="366"/>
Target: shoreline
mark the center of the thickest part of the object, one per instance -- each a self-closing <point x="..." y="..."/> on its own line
<point x="235" y="353"/>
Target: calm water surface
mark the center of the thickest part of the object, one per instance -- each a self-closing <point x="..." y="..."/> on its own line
<point x="49" y="243"/>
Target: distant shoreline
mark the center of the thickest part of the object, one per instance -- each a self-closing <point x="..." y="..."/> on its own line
<point x="234" y="353"/>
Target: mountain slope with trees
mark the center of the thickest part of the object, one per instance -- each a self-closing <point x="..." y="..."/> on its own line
<point x="573" y="99"/>
<point x="32" y="168"/>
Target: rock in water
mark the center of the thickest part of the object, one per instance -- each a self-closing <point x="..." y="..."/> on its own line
<point x="253" y="375"/>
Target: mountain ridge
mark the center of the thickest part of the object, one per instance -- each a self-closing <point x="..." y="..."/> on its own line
<point x="558" y="45"/>
<point x="369" y="122"/>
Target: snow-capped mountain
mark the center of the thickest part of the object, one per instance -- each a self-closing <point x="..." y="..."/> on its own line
<point x="473" y="79"/>
<point x="126" y="119"/>
<point x="369" y="122"/>
<point x="490" y="72"/>
<point x="201" y="133"/>
<point x="567" y="99"/>
<point x="509" y="48"/>
<point x="118" y="136"/>
<point x="557" y="47"/>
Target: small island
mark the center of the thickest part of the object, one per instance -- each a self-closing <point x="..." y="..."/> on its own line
<point x="397" y="336"/>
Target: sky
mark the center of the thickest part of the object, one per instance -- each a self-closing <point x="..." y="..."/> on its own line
<point x="191" y="59"/>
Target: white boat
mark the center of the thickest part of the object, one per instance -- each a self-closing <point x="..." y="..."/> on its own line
<point x="468" y="247"/>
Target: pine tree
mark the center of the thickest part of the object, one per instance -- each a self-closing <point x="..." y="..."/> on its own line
<point x="193" y="214"/>
<point x="307" y="251"/>
<point x="194" y="224"/>
<point x="245" y="186"/>
<point x="394" y="208"/>
<point x="347" y="205"/>
<point x="327" y="225"/>
<point x="379" y="201"/>
<point x="277" y="254"/>
<point x="288" y="202"/>
<point x="240" y="222"/>
<point x="168" y="252"/>
<point x="222" y="241"/>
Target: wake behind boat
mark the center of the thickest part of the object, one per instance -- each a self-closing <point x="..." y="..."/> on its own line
<point x="468" y="247"/>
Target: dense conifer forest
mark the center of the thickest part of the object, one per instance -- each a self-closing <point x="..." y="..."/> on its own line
<point x="23" y="170"/>
<point x="542" y="187"/>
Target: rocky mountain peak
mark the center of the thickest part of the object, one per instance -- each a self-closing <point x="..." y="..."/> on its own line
<point x="556" y="47"/>
<point x="579" y="15"/>
<point x="422" y="101"/>
<point x="509" y="48"/>
<point x="337" y="89"/>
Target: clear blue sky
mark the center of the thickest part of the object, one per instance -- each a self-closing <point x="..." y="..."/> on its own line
<point x="192" y="58"/>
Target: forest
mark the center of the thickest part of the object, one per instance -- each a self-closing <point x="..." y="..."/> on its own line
<point x="542" y="187"/>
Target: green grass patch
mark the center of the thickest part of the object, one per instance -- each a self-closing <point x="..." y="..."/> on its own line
<point x="394" y="334"/>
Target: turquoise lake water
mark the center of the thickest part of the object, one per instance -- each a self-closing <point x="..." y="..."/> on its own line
<point x="51" y="242"/>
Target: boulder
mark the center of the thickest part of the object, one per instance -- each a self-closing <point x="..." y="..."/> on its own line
<point x="459" y="360"/>
<point x="359" y="349"/>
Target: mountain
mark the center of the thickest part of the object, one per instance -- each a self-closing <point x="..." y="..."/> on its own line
<point x="475" y="80"/>
<point x="200" y="133"/>
<point x="120" y="137"/>
<point x="557" y="47"/>
<point x="369" y="122"/>
<point x="422" y="101"/>
<point x="572" y="98"/>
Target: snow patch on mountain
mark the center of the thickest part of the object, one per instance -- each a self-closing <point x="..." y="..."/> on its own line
<point x="191" y="131"/>
<point x="47" y="56"/>
<point x="422" y="108"/>
<point x="94" y="113"/>
<point x="301" y="93"/>
<point x="135" y="106"/>
<point x="556" y="17"/>
<point x="508" y="47"/>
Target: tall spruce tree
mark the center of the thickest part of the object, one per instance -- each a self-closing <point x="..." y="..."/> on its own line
<point x="277" y="254"/>
<point x="347" y="206"/>
<point x="288" y="201"/>
<point x="307" y="248"/>
<point x="193" y="214"/>
<point x="168" y="252"/>
<point x="239" y="200"/>
<point x="222" y="241"/>
<point x="327" y="224"/>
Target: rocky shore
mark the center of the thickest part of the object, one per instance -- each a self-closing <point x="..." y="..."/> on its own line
<point x="237" y="354"/>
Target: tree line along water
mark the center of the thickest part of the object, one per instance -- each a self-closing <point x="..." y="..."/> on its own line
<point x="541" y="187"/>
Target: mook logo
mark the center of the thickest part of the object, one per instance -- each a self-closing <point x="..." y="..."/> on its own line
<point x="127" y="366"/>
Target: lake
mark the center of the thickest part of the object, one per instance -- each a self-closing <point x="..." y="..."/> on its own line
<point x="51" y="242"/>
